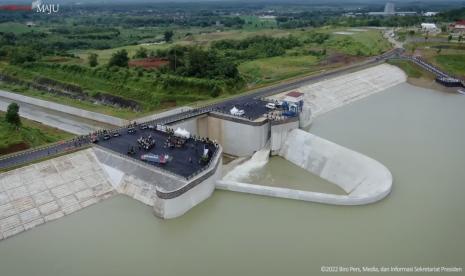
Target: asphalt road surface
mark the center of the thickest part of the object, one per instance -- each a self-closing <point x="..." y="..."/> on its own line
<point x="184" y="160"/>
<point x="69" y="123"/>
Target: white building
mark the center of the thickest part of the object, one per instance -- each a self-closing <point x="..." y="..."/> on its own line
<point x="430" y="13"/>
<point x="429" y="27"/>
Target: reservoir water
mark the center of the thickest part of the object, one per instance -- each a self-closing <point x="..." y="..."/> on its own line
<point x="418" y="134"/>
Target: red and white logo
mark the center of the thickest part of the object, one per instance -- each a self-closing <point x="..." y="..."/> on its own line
<point x="36" y="6"/>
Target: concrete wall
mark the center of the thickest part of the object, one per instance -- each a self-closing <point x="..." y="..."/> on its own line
<point x="141" y="182"/>
<point x="191" y="125"/>
<point x="175" y="207"/>
<point x="279" y="132"/>
<point x="350" y="170"/>
<point x="305" y="117"/>
<point x="236" y="137"/>
<point x="66" y="109"/>
<point x="302" y="195"/>
<point x="145" y="172"/>
<point x="163" y="114"/>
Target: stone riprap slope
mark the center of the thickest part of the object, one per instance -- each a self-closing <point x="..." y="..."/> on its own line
<point x="49" y="190"/>
<point x="329" y="94"/>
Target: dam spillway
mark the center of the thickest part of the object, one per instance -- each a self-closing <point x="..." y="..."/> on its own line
<point x="364" y="179"/>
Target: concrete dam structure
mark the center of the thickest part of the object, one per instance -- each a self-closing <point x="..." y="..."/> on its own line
<point x="126" y="160"/>
<point x="365" y="180"/>
<point x="170" y="195"/>
<point x="49" y="190"/>
<point x="239" y="136"/>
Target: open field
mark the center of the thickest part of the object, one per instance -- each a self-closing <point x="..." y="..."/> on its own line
<point x="449" y="56"/>
<point x="454" y="63"/>
<point x="418" y="76"/>
<point x="256" y="23"/>
<point x="186" y="37"/>
<point x="361" y="43"/>
<point x="30" y="134"/>
<point x="369" y="42"/>
<point x="273" y="69"/>
<point x="16" y="28"/>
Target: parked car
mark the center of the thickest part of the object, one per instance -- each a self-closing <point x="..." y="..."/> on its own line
<point x="106" y="137"/>
<point x="131" y="130"/>
<point x="270" y="106"/>
<point x="116" y="134"/>
<point x="144" y="126"/>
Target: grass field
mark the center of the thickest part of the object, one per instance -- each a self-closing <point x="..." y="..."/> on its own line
<point x="369" y="42"/>
<point x="256" y="23"/>
<point x="273" y="69"/>
<point x="361" y="43"/>
<point x="449" y="56"/>
<point x="412" y="70"/>
<point x="31" y="134"/>
<point x="16" y="28"/>
<point x="194" y="37"/>
<point x="454" y="63"/>
<point x="366" y="42"/>
<point x="144" y="89"/>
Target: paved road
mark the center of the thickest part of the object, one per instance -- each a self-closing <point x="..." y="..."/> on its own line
<point x="243" y="100"/>
<point x="36" y="154"/>
<point x="70" y="123"/>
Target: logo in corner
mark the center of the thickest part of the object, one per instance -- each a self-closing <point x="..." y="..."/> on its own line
<point x="41" y="7"/>
<point x="36" y="3"/>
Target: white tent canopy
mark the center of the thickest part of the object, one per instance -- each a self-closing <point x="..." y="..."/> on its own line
<point x="180" y="132"/>
<point x="237" y="112"/>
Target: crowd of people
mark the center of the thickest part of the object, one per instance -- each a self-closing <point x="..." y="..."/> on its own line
<point x="276" y="115"/>
<point x="146" y="143"/>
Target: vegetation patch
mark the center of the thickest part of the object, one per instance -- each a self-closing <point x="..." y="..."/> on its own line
<point x="454" y="64"/>
<point x="412" y="70"/>
<point x="29" y="134"/>
<point x="272" y="69"/>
